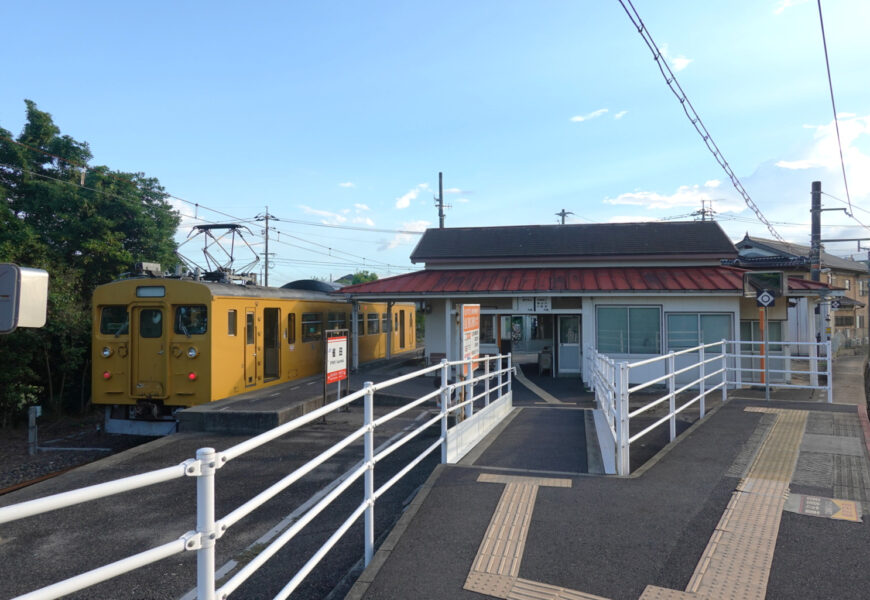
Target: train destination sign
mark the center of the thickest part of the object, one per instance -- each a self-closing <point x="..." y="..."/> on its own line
<point x="336" y="359"/>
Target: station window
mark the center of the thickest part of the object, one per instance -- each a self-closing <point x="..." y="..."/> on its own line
<point x="232" y="321"/>
<point x="629" y="329"/>
<point x="312" y="327"/>
<point x="151" y="323"/>
<point x="750" y="331"/>
<point x="844" y="321"/>
<point x="487" y="329"/>
<point x="291" y="328"/>
<point x="114" y="320"/>
<point x="191" y="319"/>
<point x="373" y="323"/>
<point x="687" y="330"/>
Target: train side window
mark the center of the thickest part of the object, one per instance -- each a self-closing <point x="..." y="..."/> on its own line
<point x="249" y="328"/>
<point x="337" y="320"/>
<point x="191" y="319"/>
<point x="360" y="324"/>
<point x="114" y="320"/>
<point x="373" y="323"/>
<point x="232" y="321"/>
<point x="151" y="323"/>
<point x="385" y="322"/>
<point x="397" y="321"/>
<point x="291" y="328"/>
<point x="312" y="327"/>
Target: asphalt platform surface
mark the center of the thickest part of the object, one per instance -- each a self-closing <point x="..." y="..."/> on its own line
<point x="613" y="536"/>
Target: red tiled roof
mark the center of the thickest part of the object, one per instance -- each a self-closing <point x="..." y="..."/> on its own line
<point x="597" y="279"/>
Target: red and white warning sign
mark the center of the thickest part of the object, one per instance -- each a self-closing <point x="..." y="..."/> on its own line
<point x="336" y="359"/>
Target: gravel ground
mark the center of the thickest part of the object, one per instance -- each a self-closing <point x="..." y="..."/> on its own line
<point x="17" y="467"/>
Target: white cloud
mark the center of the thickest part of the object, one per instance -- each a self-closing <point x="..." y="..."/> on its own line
<point x="677" y="63"/>
<point x="405" y="238"/>
<point x="329" y="218"/>
<point x="186" y="212"/>
<point x="347" y="184"/>
<point x="784" y="4"/>
<point x="463" y="200"/>
<point x="361" y="207"/>
<point x="686" y="196"/>
<point x="593" y="115"/>
<point x="824" y="153"/>
<point x="453" y="191"/>
<point x="364" y="221"/>
<point x="404" y="201"/>
<point x="620" y="114"/>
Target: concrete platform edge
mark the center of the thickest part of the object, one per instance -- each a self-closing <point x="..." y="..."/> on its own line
<point x="382" y="554"/>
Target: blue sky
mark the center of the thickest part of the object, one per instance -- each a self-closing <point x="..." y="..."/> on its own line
<point x="343" y="113"/>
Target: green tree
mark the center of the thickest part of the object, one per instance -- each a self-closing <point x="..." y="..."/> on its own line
<point x="86" y="225"/>
<point x="364" y="277"/>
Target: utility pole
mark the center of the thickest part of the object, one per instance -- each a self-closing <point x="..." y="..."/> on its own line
<point x="265" y="217"/>
<point x="440" y="201"/>
<point x="816" y="232"/>
<point x="563" y="213"/>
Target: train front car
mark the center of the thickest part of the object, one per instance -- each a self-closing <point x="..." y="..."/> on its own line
<point x="151" y="351"/>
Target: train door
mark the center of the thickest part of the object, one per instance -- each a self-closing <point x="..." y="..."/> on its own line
<point x="149" y="353"/>
<point x="402" y="329"/>
<point x="271" y="343"/>
<point x="250" y="347"/>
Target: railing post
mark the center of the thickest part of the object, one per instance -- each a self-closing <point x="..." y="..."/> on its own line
<point x="814" y="364"/>
<point x="623" y="466"/>
<point x="703" y="395"/>
<point x="500" y="370"/>
<point x="205" y="524"/>
<point x="509" y="374"/>
<point x="830" y="371"/>
<point x="724" y="371"/>
<point x="486" y="381"/>
<point x="445" y="400"/>
<point x="672" y="401"/>
<point x="786" y="351"/>
<point x="369" y="458"/>
<point x="469" y="392"/>
<point x="738" y="364"/>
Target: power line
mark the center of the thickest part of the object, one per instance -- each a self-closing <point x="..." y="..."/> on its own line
<point x="850" y="214"/>
<point x="834" y="107"/>
<point x="692" y="114"/>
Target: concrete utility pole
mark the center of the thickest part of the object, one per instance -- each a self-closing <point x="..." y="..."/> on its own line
<point x="439" y="201"/>
<point x="563" y="213"/>
<point x="816" y="232"/>
<point x="265" y="217"/>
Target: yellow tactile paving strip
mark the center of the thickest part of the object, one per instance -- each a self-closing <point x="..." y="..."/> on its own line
<point x="736" y="562"/>
<point x="496" y="568"/>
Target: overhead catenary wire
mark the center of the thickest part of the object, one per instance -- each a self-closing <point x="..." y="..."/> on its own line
<point x="692" y="114"/>
<point x="834" y="107"/>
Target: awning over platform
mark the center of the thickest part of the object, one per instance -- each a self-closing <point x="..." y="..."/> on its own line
<point x="562" y="281"/>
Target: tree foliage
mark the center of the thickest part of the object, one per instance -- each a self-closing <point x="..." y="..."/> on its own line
<point x="364" y="277"/>
<point x="84" y="224"/>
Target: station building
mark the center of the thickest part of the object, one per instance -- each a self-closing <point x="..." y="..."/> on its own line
<point x="547" y="292"/>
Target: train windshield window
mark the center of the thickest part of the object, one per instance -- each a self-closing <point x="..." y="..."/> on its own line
<point x="373" y="323"/>
<point x="114" y="320"/>
<point x="191" y="320"/>
<point x="312" y="327"/>
<point x="151" y="323"/>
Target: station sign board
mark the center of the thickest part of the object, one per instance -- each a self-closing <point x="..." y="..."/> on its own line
<point x="470" y="336"/>
<point x="336" y="358"/>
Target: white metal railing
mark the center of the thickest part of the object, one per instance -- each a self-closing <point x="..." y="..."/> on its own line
<point x="208" y="461"/>
<point x="704" y="369"/>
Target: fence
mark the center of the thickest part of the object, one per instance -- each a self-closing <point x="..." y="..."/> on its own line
<point x="208" y="462"/>
<point x="706" y="368"/>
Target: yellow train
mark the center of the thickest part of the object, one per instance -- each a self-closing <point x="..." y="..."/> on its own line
<point x="164" y="343"/>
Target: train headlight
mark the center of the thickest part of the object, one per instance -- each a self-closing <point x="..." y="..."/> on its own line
<point x="106" y="352"/>
<point x="191" y="376"/>
<point x="107" y="375"/>
<point x="192" y="352"/>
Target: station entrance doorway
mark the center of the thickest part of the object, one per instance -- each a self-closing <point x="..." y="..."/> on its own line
<point x="550" y="341"/>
